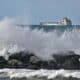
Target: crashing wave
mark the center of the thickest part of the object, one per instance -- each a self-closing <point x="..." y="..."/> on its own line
<point x="24" y="74"/>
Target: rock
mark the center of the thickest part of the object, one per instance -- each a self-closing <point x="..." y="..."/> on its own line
<point x="31" y="61"/>
<point x="52" y="64"/>
<point x="68" y="61"/>
<point x="3" y="62"/>
<point x="34" y="59"/>
<point x="14" y="62"/>
<point x="21" y="56"/>
<point x="72" y="63"/>
<point x="34" y="62"/>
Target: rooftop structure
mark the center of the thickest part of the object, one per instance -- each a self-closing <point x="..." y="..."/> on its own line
<point x="65" y="21"/>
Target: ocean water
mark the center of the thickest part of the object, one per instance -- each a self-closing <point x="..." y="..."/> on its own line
<point x="41" y="40"/>
<point x="52" y="28"/>
<point x="26" y="74"/>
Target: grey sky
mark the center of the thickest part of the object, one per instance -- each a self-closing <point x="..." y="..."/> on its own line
<point x="41" y="10"/>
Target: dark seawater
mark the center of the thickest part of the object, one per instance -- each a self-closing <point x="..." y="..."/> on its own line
<point x="51" y="28"/>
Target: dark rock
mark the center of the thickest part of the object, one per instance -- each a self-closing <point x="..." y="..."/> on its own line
<point x="14" y="62"/>
<point x="21" y="56"/>
<point x="72" y="63"/>
<point x="20" y="59"/>
<point x="68" y="61"/>
<point x="52" y="64"/>
<point x="3" y="62"/>
<point x="34" y="62"/>
<point x="34" y="59"/>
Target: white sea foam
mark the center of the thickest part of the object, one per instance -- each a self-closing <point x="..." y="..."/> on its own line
<point x="50" y="74"/>
<point x="15" y="38"/>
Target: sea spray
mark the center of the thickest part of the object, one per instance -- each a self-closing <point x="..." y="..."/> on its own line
<point x="18" y="38"/>
<point x="37" y="74"/>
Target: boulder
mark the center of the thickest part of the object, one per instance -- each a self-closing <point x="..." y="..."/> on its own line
<point x="60" y="77"/>
<point x="3" y="62"/>
<point x="14" y="62"/>
<point x="68" y="61"/>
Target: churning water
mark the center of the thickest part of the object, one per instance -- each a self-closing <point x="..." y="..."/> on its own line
<point x="41" y="40"/>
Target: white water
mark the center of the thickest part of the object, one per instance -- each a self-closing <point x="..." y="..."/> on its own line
<point x="50" y="74"/>
<point x="15" y="38"/>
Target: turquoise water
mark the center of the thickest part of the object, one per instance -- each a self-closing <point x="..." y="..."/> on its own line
<point x="50" y="28"/>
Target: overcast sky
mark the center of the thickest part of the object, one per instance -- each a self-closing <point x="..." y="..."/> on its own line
<point x="41" y="10"/>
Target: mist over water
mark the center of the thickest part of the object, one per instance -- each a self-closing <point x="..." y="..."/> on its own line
<point x="15" y="38"/>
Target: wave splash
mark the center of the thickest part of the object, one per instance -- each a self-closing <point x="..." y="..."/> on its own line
<point x="15" y="38"/>
<point x="14" y="74"/>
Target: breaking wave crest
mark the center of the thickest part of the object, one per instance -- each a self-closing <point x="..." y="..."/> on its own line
<point x="15" y="38"/>
<point x="18" y="74"/>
